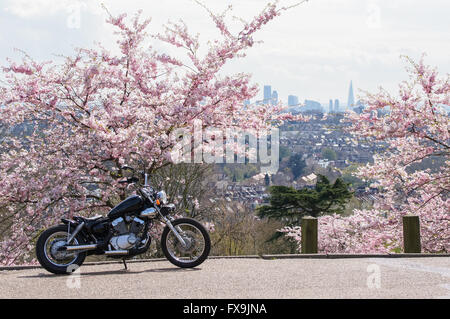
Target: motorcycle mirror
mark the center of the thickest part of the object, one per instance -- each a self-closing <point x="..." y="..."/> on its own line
<point x="128" y="171"/>
<point x="133" y="180"/>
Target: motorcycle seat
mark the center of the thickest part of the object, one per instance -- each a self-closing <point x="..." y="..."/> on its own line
<point x="89" y="220"/>
<point x="93" y="217"/>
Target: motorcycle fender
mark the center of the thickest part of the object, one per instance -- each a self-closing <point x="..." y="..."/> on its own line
<point x="68" y="221"/>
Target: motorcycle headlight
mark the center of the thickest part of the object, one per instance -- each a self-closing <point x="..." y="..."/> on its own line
<point x="162" y="197"/>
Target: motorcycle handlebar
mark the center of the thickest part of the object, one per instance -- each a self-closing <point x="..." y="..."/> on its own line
<point x="129" y="180"/>
<point x="135" y="179"/>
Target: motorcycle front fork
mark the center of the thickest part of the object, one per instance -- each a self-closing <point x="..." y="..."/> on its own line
<point x="176" y="231"/>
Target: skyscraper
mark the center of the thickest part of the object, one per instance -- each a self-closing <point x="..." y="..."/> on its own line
<point x="351" y="98"/>
<point x="267" y="94"/>
<point x="336" y="105"/>
<point x="311" y="105"/>
<point x="331" y="106"/>
<point x="292" y="100"/>
<point x="359" y="107"/>
<point x="274" y="100"/>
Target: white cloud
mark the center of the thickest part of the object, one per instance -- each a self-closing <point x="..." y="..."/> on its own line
<point x="313" y="50"/>
<point x="35" y="8"/>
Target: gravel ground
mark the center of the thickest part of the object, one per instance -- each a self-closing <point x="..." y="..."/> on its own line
<point x="237" y="278"/>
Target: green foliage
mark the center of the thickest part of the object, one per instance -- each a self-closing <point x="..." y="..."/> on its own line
<point x="348" y="176"/>
<point x="284" y="152"/>
<point x="237" y="231"/>
<point x="239" y="172"/>
<point x="329" y="154"/>
<point x="297" y="165"/>
<point x="352" y="180"/>
<point x="290" y="205"/>
<point x="184" y="183"/>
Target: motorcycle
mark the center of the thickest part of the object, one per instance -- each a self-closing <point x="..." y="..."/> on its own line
<point x="124" y="233"/>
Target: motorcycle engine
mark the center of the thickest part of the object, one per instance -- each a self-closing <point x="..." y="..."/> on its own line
<point x="126" y="231"/>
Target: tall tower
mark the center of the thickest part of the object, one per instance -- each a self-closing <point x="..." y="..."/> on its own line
<point x="351" y="98"/>
<point x="267" y="94"/>
<point x="274" y="100"/>
<point x="331" y="106"/>
<point x="336" y="105"/>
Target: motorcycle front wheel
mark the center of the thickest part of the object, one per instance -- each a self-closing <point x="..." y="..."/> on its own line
<point x="197" y="243"/>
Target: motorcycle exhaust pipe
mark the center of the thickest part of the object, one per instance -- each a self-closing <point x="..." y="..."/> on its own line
<point x="116" y="252"/>
<point x="81" y="247"/>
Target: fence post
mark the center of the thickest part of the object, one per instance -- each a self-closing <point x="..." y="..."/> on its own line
<point x="411" y="234"/>
<point x="309" y="235"/>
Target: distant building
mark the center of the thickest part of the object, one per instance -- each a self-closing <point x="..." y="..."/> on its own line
<point x="336" y="105"/>
<point x="267" y="94"/>
<point x="292" y="100"/>
<point x="330" y="108"/>
<point x="351" y="98"/>
<point x="310" y="179"/>
<point x="323" y="163"/>
<point x="311" y="105"/>
<point x="274" y="100"/>
<point x="359" y="107"/>
<point x="382" y="112"/>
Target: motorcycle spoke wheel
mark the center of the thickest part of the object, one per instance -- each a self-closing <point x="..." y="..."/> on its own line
<point x="195" y="244"/>
<point x="59" y="258"/>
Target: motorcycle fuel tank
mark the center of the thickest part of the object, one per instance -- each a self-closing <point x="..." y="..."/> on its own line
<point x="128" y="205"/>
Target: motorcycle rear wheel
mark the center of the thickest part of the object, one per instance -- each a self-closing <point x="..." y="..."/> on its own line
<point x="55" y="261"/>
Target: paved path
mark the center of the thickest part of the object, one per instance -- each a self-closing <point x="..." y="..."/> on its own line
<point x="241" y="278"/>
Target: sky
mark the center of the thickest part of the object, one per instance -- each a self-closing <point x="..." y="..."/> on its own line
<point x="312" y="50"/>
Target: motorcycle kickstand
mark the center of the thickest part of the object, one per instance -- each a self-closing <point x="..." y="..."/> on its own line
<point x="125" y="264"/>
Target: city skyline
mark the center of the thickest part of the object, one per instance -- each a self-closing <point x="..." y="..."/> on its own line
<point x="332" y="105"/>
<point x="318" y="46"/>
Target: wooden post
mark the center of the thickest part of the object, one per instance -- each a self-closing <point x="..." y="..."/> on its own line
<point x="411" y="234"/>
<point x="309" y="235"/>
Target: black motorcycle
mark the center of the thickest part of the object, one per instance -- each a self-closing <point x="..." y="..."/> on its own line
<point x="124" y="233"/>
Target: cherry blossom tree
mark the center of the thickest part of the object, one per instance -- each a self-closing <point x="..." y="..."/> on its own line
<point x="94" y="111"/>
<point x="413" y="175"/>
